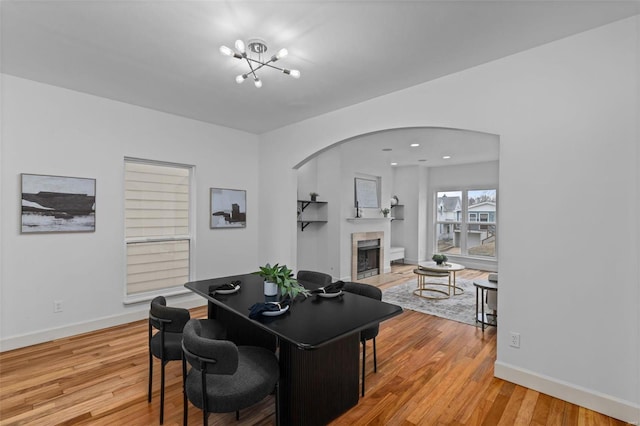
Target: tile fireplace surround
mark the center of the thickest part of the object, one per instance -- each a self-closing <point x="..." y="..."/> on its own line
<point x="362" y="236"/>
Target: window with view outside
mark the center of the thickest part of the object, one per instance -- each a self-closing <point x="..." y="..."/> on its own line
<point x="481" y="232"/>
<point x="466" y="222"/>
<point x="157" y="225"/>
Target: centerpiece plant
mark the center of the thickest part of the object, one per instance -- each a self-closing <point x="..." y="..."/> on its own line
<point x="439" y="258"/>
<point x="281" y="278"/>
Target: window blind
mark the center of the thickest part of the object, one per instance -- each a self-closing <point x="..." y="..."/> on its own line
<point x="157" y="229"/>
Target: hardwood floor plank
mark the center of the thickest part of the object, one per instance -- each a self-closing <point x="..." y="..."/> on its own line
<point x="431" y="371"/>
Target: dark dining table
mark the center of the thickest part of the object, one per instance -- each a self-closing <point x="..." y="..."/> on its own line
<point x="317" y="341"/>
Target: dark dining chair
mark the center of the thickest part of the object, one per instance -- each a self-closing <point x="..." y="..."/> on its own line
<point x="166" y="343"/>
<point x="317" y="278"/>
<point x="224" y="377"/>
<point x="370" y="333"/>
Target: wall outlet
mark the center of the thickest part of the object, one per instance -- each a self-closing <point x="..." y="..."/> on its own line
<point x="57" y="306"/>
<point x="514" y="340"/>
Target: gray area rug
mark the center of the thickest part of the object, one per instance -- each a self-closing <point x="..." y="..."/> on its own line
<point x="461" y="308"/>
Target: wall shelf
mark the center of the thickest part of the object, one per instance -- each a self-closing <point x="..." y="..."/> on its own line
<point x="356" y="219"/>
<point x="398" y="212"/>
<point x="303" y="204"/>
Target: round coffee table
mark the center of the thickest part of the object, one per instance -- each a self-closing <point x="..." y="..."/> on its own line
<point x="427" y="269"/>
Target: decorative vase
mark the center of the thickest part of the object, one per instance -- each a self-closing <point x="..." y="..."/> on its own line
<point x="314" y="197"/>
<point x="394" y="200"/>
<point x="270" y="289"/>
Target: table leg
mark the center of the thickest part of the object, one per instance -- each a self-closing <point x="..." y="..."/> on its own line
<point x="482" y="304"/>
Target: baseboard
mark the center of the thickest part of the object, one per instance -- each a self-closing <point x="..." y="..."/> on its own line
<point x="21" y="341"/>
<point x="619" y="409"/>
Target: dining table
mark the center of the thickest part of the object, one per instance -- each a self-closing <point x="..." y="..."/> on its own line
<point x="317" y="340"/>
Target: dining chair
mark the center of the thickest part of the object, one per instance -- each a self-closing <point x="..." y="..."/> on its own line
<point x="318" y="278"/>
<point x="224" y="377"/>
<point x="370" y="333"/>
<point x="166" y="343"/>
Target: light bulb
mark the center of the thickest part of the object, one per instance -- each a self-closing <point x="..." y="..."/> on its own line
<point x="295" y="73"/>
<point x="282" y="53"/>
<point x="258" y="82"/>
<point x="240" y="46"/>
<point x="241" y="78"/>
<point x="226" y="51"/>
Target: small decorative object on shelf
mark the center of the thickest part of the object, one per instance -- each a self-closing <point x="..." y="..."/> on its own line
<point x="280" y="278"/>
<point x="357" y="210"/>
<point x="314" y="196"/>
<point x="394" y="200"/>
<point x="439" y="258"/>
<point x="385" y="212"/>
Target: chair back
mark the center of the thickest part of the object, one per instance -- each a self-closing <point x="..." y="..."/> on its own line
<point x="166" y="318"/>
<point x="318" y="278"/>
<point x="206" y="353"/>
<point x="372" y="292"/>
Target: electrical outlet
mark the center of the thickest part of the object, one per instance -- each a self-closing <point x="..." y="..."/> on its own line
<point x="57" y="306"/>
<point x="514" y="340"/>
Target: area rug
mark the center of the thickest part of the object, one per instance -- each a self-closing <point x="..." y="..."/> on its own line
<point x="461" y="308"/>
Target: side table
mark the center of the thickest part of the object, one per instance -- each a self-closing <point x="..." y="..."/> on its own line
<point x="482" y="287"/>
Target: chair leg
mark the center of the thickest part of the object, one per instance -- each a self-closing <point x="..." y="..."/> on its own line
<point x="237" y="415"/>
<point x="162" y="392"/>
<point x="185" y="405"/>
<point x="375" y="358"/>
<point x="364" y="360"/>
<point x="150" y="375"/>
<point x="278" y="404"/>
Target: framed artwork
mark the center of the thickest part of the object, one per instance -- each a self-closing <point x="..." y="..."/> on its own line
<point x="366" y="193"/>
<point x="228" y="208"/>
<point x="58" y="204"/>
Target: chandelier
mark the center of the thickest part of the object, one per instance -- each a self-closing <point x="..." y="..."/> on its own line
<point x="253" y="55"/>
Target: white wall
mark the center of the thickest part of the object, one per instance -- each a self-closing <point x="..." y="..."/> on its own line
<point x="50" y="130"/>
<point x="566" y="114"/>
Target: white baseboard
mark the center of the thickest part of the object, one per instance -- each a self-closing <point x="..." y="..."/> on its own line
<point x="21" y="341"/>
<point x="619" y="409"/>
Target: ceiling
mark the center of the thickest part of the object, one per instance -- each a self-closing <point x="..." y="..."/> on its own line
<point x="164" y="55"/>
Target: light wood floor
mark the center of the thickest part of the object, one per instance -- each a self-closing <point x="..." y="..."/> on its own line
<point x="431" y="371"/>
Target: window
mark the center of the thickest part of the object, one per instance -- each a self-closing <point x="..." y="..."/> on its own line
<point x="157" y="227"/>
<point x="474" y="237"/>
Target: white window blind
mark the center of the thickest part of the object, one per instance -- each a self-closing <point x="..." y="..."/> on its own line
<point x="157" y="228"/>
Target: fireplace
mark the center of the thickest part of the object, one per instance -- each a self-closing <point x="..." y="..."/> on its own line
<point x="368" y="258"/>
<point x="367" y="254"/>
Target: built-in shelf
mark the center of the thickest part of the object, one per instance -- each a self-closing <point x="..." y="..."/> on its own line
<point x="398" y="212"/>
<point x="303" y="205"/>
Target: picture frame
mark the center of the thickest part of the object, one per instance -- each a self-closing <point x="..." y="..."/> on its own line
<point x="228" y="208"/>
<point x="366" y="193"/>
<point x="57" y="204"/>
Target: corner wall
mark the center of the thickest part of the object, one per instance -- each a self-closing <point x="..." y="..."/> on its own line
<point x="55" y="131"/>
<point x="566" y="114"/>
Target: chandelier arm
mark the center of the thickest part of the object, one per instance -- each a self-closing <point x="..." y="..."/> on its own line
<point x="248" y="59"/>
<point x="263" y="64"/>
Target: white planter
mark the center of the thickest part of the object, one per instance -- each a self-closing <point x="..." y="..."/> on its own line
<point x="270" y="289"/>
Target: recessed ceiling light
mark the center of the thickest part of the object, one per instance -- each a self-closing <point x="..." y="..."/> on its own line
<point x="446" y="157"/>
<point x="386" y="149"/>
<point x="394" y="164"/>
<point x="422" y="159"/>
<point x="415" y="144"/>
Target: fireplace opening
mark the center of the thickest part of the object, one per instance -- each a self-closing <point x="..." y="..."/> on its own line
<point x="368" y="258"/>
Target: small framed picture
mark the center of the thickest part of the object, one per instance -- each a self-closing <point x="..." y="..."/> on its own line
<point x="228" y="208"/>
<point x="366" y="191"/>
<point x="58" y="204"/>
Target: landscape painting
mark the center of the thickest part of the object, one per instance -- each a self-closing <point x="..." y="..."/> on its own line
<point x="58" y="204"/>
<point x="228" y="208"/>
